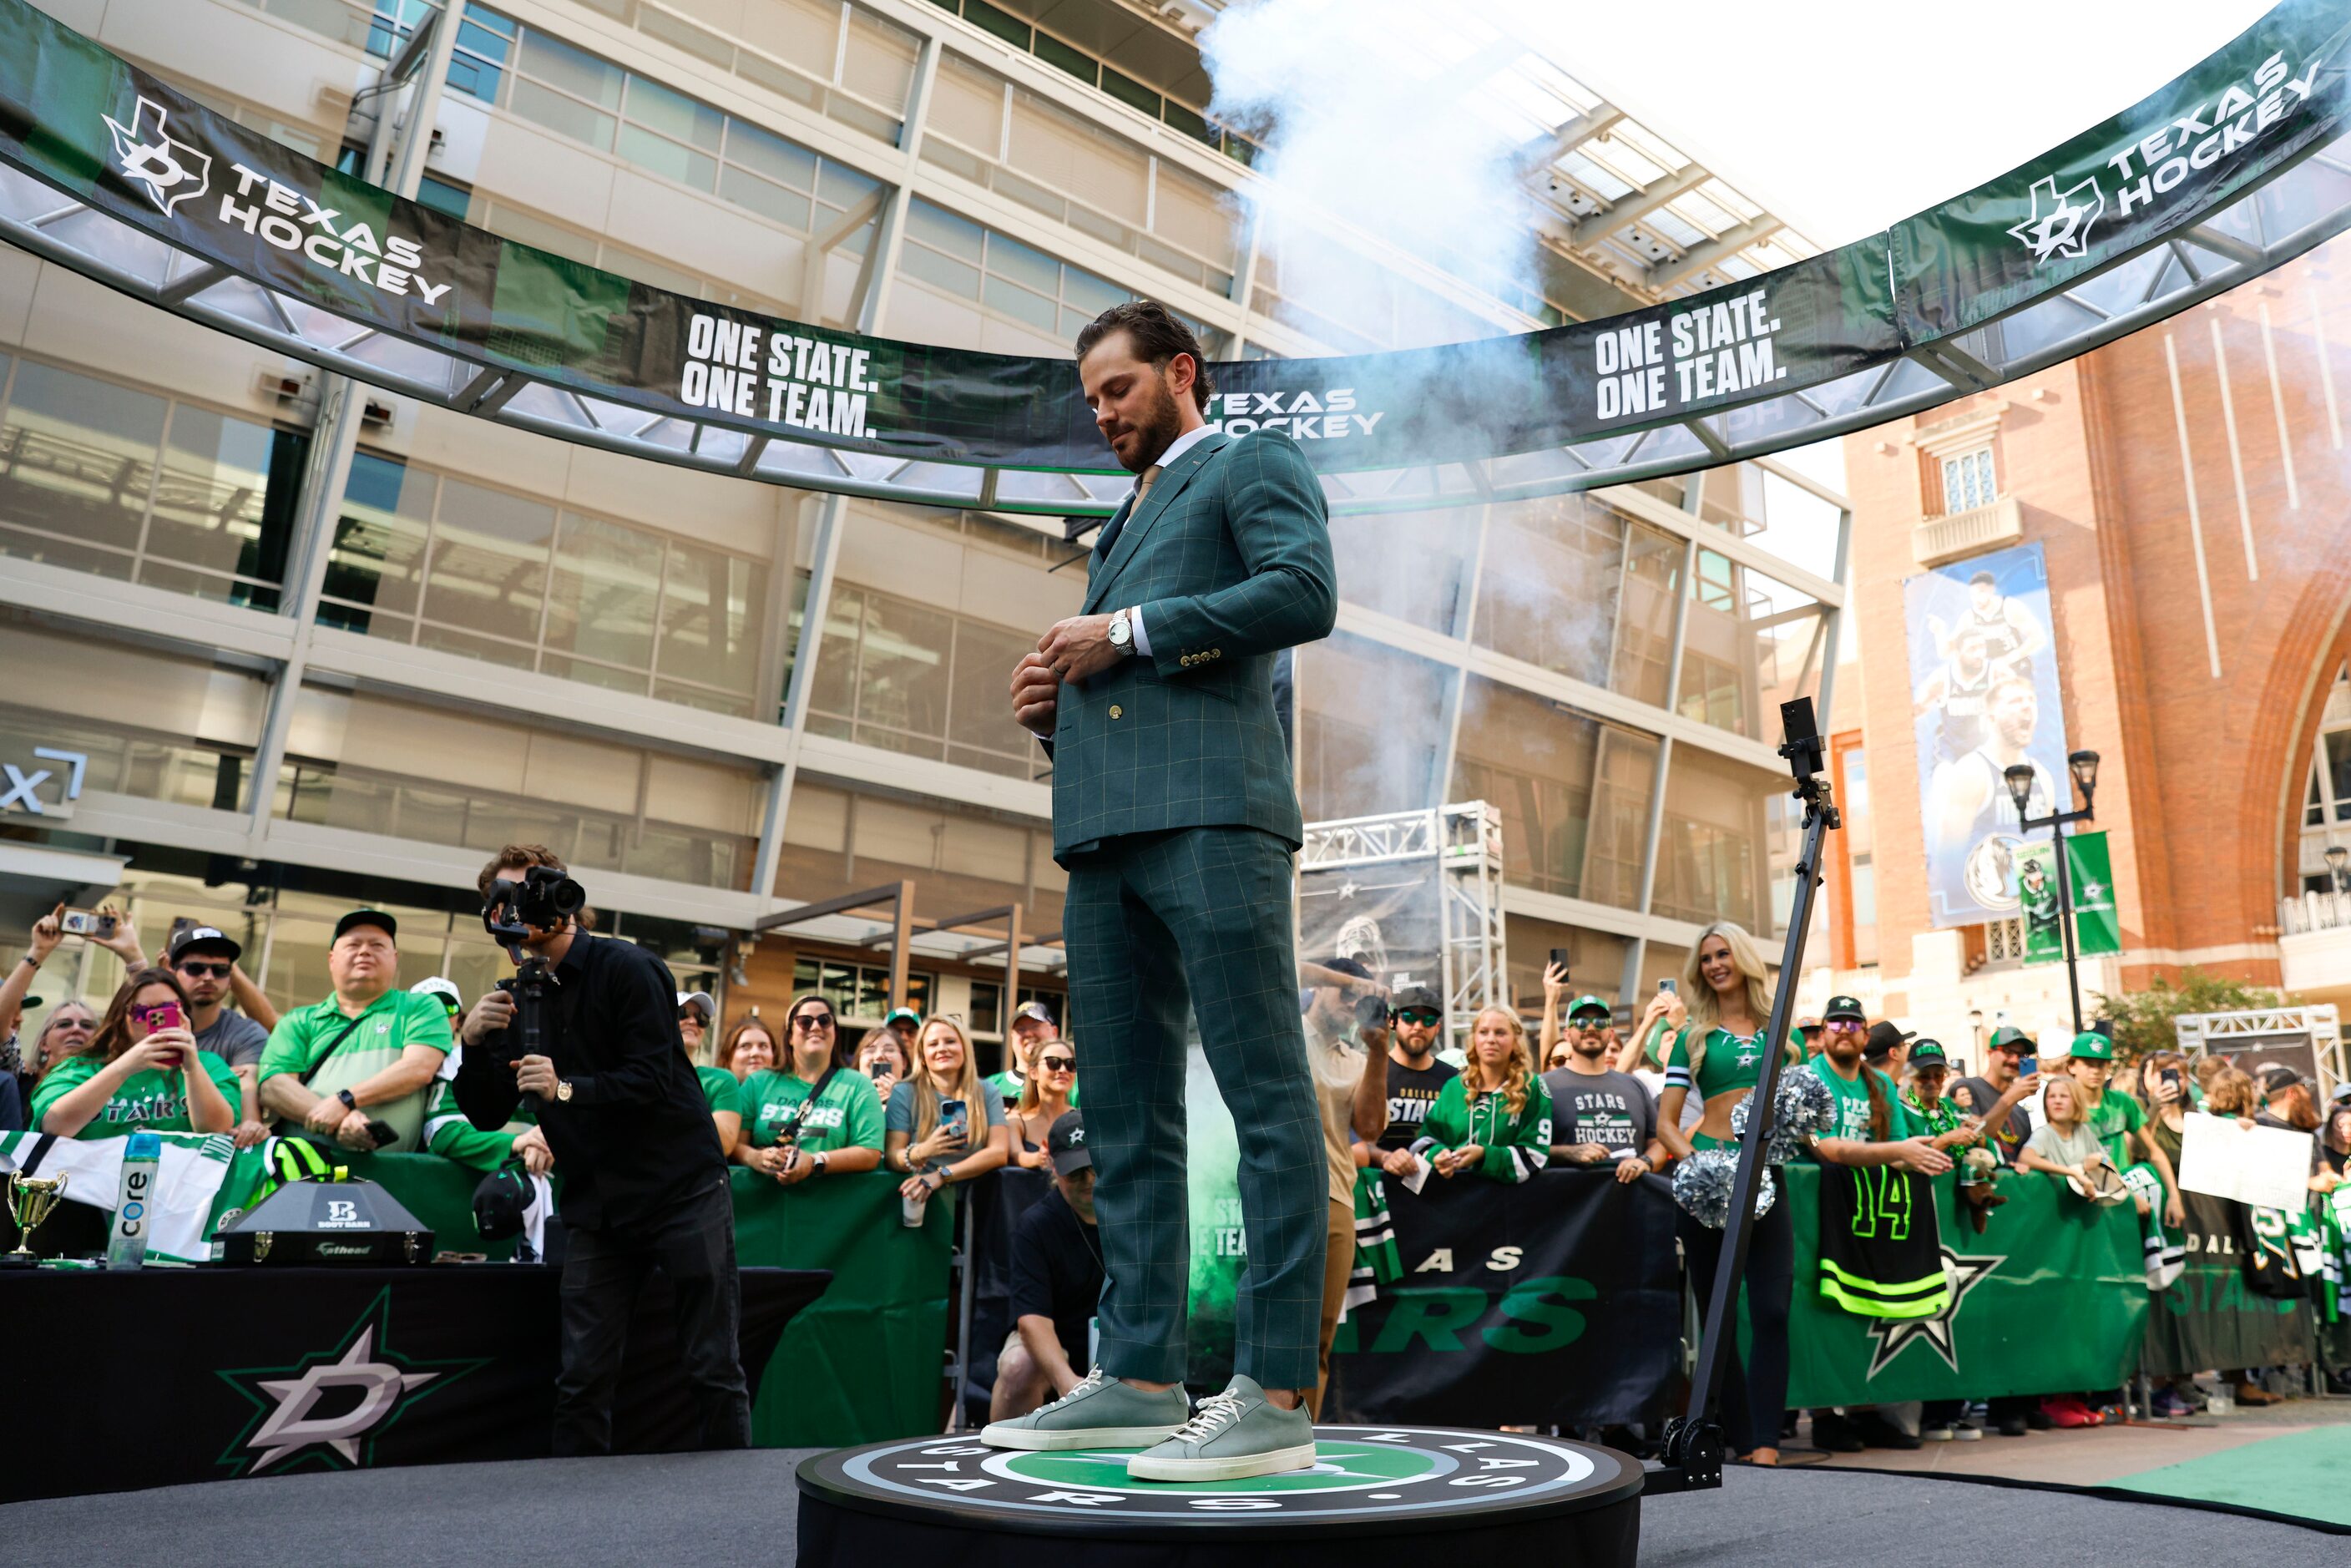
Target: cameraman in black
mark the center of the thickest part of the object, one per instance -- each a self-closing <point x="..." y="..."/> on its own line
<point x="645" y="1184"/>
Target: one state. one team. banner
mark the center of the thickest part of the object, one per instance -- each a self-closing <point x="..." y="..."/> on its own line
<point x="83" y="122"/>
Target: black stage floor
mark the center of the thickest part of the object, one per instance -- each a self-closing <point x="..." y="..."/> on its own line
<point x="710" y="1510"/>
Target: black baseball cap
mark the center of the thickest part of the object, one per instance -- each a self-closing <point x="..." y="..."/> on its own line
<point x="1882" y="1038"/>
<point x="502" y="1204"/>
<point x="1843" y="1007"/>
<point x="2278" y="1079"/>
<point x="1353" y="966"/>
<point x="1066" y="1144"/>
<point x="212" y="939"/>
<point x="1419" y="996"/>
<point x="1036" y="1010"/>
<point x="1929" y="1053"/>
<point x="375" y="917"/>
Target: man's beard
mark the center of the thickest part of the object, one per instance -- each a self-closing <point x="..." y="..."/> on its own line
<point x="1158" y="430"/>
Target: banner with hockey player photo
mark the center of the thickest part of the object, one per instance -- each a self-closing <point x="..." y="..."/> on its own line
<point x="1984" y="696"/>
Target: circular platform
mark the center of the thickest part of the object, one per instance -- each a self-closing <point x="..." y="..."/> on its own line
<point x="1375" y="1495"/>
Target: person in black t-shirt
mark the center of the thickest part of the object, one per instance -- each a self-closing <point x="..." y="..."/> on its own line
<point x="1416" y="1077"/>
<point x="1057" y="1281"/>
<point x="1998" y="1097"/>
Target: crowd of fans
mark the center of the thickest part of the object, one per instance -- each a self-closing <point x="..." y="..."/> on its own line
<point x="189" y="1043"/>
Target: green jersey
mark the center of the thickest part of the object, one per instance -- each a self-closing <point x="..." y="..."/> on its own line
<point x="1516" y="1146"/>
<point x="2111" y="1121"/>
<point x="338" y="1052"/>
<point x="151" y="1101"/>
<point x="719" y="1090"/>
<point x="847" y="1115"/>
<point x="448" y="1134"/>
<point x="1943" y="1116"/>
<point x="1852" y="1106"/>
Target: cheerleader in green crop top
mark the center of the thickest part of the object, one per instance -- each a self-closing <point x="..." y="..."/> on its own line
<point x="1714" y="1039"/>
<point x="1716" y="1049"/>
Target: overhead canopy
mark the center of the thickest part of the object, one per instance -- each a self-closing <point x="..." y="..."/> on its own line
<point x="2234" y="167"/>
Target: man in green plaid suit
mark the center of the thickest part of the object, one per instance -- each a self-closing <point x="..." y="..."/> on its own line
<point x="1174" y="813"/>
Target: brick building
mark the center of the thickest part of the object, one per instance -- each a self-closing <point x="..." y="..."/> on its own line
<point x="2192" y="492"/>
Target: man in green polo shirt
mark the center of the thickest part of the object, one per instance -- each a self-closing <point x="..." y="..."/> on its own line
<point x="367" y="1053"/>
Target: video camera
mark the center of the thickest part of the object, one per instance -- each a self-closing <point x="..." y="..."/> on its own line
<point x="512" y="912"/>
<point x="542" y="901"/>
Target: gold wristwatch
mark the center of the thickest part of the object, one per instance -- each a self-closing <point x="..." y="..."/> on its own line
<point x="563" y="1091"/>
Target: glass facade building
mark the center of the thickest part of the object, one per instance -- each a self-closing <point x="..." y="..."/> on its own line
<point x="487" y="636"/>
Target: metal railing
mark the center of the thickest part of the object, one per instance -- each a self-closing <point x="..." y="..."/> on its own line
<point x="2309" y="912"/>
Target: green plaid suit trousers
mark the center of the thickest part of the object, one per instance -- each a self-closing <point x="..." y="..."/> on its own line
<point x="1159" y="925"/>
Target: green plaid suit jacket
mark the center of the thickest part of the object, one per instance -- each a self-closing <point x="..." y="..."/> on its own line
<point x="1230" y="560"/>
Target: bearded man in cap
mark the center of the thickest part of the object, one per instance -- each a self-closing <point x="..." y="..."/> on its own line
<point x="204" y="957"/>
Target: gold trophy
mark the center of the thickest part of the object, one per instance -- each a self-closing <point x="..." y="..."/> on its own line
<point x="31" y="1199"/>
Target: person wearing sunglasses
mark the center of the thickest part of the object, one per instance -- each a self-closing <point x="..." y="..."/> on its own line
<point x="204" y="957"/>
<point x="1602" y="1116"/>
<point x="1416" y="1074"/>
<point x="140" y="1071"/>
<point x="816" y="1117"/>
<point x="1048" y="1090"/>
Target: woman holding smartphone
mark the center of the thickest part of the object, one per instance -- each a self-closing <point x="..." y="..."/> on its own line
<point x="946" y="1124"/>
<point x="814" y="1118"/>
<point x="141" y="1072"/>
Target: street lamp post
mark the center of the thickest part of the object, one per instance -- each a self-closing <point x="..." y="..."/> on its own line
<point x="2084" y="765"/>
<point x="2336" y="859"/>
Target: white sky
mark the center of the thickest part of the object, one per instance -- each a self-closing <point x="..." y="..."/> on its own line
<point x="1843" y="116"/>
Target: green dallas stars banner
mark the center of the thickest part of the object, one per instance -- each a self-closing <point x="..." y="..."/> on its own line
<point x="2050" y="1297"/>
<point x="2091" y="870"/>
<point x="78" y="120"/>
<point x="2086" y="862"/>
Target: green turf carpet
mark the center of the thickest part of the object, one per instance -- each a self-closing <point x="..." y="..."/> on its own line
<point x="2301" y="1473"/>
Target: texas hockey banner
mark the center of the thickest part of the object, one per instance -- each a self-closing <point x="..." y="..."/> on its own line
<point x="133" y="151"/>
<point x="1557" y="1301"/>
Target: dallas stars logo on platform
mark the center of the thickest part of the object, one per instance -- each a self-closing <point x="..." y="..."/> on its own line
<point x="1357" y="1471"/>
<point x="168" y="169"/>
<point x="333" y="1407"/>
<point x="2063" y="228"/>
<point x="1895" y="1336"/>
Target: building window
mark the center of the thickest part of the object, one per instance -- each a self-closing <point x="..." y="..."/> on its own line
<point x="909" y="677"/>
<point x="858" y="993"/>
<point x="144" y="487"/>
<point x="1968" y="482"/>
<point x="403" y="770"/>
<point x="434" y="560"/>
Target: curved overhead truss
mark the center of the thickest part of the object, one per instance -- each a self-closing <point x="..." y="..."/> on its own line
<point x="2235" y="167"/>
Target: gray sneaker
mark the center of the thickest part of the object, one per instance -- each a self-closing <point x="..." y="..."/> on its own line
<point x="1234" y="1433"/>
<point x="1100" y="1412"/>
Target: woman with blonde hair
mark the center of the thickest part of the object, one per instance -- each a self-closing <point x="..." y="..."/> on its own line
<point x="1717" y="1020"/>
<point x="1495" y="1116"/>
<point x="945" y="1123"/>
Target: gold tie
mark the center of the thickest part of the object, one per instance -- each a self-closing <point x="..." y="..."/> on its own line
<point x="1143" y="487"/>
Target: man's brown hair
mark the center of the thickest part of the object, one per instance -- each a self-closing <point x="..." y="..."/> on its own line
<point x="522" y="857"/>
<point x="1158" y="335"/>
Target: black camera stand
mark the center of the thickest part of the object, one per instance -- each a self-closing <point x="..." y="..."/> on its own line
<point x="1693" y="1444"/>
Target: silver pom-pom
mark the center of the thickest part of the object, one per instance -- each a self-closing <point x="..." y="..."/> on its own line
<point x="1702" y="1186"/>
<point x="1804" y="1110"/>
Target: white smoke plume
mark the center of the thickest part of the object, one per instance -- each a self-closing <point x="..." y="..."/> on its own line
<point x="1373" y="117"/>
<point x="1376" y="121"/>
